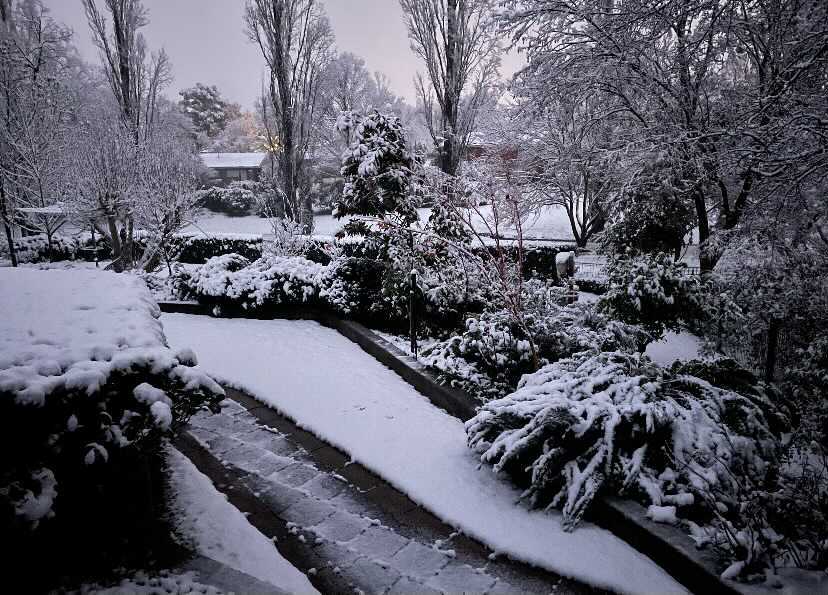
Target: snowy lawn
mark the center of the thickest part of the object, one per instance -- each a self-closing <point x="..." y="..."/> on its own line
<point x="330" y="386"/>
<point x="550" y="222"/>
<point x="218" y="530"/>
<point x="674" y="347"/>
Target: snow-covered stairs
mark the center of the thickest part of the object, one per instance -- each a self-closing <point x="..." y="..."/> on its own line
<point x="341" y="524"/>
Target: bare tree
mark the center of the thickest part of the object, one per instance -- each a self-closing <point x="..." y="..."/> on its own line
<point x="656" y="68"/>
<point x="565" y="161"/>
<point x="456" y="42"/>
<point x="296" y="41"/>
<point x="36" y="100"/>
<point x="166" y="194"/>
<point x="103" y="179"/>
<point x="135" y="80"/>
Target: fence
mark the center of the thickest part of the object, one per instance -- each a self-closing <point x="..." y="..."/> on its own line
<point x="767" y="351"/>
<point x="597" y="270"/>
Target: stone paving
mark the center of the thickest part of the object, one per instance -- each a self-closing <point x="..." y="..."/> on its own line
<point x="345" y="527"/>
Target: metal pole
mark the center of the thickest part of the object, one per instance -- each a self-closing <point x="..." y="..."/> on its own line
<point x="412" y="312"/>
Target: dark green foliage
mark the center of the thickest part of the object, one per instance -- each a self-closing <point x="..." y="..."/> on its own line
<point x="653" y="291"/>
<point x="596" y="286"/>
<point x="378" y="169"/>
<point x="199" y="249"/>
<point x="108" y="505"/>
<point x="653" y="216"/>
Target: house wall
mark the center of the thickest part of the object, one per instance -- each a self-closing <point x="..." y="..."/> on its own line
<point x="223" y="176"/>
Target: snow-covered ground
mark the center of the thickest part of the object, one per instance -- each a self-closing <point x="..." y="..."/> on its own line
<point x="218" y="530"/>
<point x="330" y="386"/>
<point x="550" y="222"/>
<point x="674" y="347"/>
<point x="142" y="583"/>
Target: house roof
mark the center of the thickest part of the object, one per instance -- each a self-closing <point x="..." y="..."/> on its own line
<point x="224" y="160"/>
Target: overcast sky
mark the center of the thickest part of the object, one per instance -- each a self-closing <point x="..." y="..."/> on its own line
<point x="206" y="42"/>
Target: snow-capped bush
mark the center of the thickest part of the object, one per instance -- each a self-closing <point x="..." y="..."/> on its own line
<point x="85" y="379"/>
<point x="616" y="423"/>
<point x="378" y="168"/>
<point x="236" y="200"/>
<point x="192" y="249"/>
<point x="233" y="281"/>
<point x="653" y="291"/>
<point x="34" y="249"/>
<point x="489" y="357"/>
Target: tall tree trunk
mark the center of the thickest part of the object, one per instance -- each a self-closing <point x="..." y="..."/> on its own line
<point x="4" y="215"/>
<point x="451" y="94"/>
<point x="707" y="260"/>
<point x="114" y="239"/>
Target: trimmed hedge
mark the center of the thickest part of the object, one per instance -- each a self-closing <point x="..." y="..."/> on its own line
<point x="199" y="249"/>
<point x="33" y="249"/>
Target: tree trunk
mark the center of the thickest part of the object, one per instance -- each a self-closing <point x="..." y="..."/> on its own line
<point x="114" y="239"/>
<point x="706" y="259"/>
<point x="10" y="240"/>
<point x="5" y="217"/>
<point x="451" y="93"/>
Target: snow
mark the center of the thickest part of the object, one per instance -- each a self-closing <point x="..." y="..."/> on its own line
<point x="674" y="347"/>
<point x="74" y="328"/>
<point x="222" y="160"/>
<point x="218" y="530"/>
<point x="142" y="583"/>
<point x="662" y="514"/>
<point x="550" y="222"/>
<point x="331" y="387"/>
<point x="33" y="508"/>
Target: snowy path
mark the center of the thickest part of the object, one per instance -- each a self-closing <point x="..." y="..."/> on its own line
<point x="330" y="386"/>
<point x="219" y="531"/>
<point x="341" y="524"/>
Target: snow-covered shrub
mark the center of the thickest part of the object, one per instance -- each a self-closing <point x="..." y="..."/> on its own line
<point x="236" y="200"/>
<point x="192" y="249"/>
<point x="86" y="385"/>
<point x="775" y="519"/>
<point x="234" y="282"/>
<point x="785" y="287"/>
<point x="353" y="287"/>
<point x="34" y="249"/>
<point x="615" y="422"/>
<point x="652" y="213"/>
<point x="492" y="353"/>
<point x="653" y="291"/>
<point x="807" y="382"/>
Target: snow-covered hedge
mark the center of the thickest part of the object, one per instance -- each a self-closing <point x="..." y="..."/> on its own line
<point x="232" y="281"/>
<point x="32" y="249"/>
<point x="236" y="200"/>
<point x="195" y="249"/>
<point x="85" y="379"/>
<point x="358" y="287"/>
<point x="614" y="422"/>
